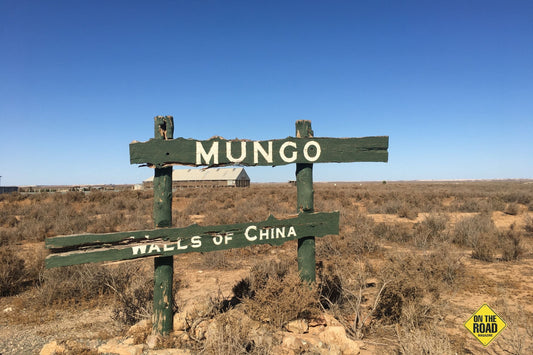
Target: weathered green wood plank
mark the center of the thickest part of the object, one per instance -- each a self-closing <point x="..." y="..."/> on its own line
<point x="172" y="241"/>
<point x="218" y="151"/>
<point x="171" y="234"/>
<point x="305" y="204"/>
<point x="80" y="240"/>
<point x="164" y="265"/>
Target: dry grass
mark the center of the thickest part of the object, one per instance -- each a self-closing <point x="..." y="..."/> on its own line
<point x="12" y="272"/>
<point x="274" y="294"/>
<point x="430" y="231"/>
<point x="391" y="272"/>
<point x="510" y="242"/>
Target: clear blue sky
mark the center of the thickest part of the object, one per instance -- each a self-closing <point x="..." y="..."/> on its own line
<point x="451" y="83"/>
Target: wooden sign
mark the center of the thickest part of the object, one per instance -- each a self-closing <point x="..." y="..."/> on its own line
<point x="219" y="152"/>
<point x="89" y="248"/>
<point x="163" y="152"/>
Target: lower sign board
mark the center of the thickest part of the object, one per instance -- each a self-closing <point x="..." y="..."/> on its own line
<point x="89" y="248"/>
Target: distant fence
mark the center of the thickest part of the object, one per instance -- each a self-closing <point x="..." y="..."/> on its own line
<point x="8" y="189"/>
<point x="67" y="188"/>
<point x="202" y="183"/>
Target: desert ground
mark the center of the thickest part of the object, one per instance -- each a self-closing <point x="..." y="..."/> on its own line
<point x="412" y="262"/>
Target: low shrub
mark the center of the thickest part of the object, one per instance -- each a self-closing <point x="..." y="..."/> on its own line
<point x="429" y="340"/>
<point x="217" y="259"/>
<point x="483" y="249"/>
<point x="466" y="205"/>
<point x="414" y="284"/>
<point x="404" y="291"/>
<point x="356" y="237"/>
<point x="4" y="237"/>
<point x="348" y="289"/>
<point x="512" y="209"/>
<point x="73" y="284"/>
<point x="8" y="221"/>
<point x="519" y="320"/>
<point x="479" y="233"/>
<point x="394" y="232"/>
<point x="496" y="204"/>
<point x="274" y="294"/>
<point x="12" y="197"/>
<point x="79" y="283"/>
<point x="12" y="272"/>
<point x="430" y="230"/>
<point x="134" y="301"/>
<point x="521" y="197"/>
<point x="510" y="243"/>
<point x="528" y="224"/>
<point x="406" y="211"/>
<point x="387" y="206"/>
<point x="233" y="332"/>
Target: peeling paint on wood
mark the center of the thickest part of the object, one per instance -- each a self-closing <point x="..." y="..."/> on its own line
<point x="221" y="152"/>
<point x="163" y="151"/>
<point x="305" y="205"/>
<point x="81" y="249"/>
<point x="163" y="266"/>
<point x="163" y="297"/>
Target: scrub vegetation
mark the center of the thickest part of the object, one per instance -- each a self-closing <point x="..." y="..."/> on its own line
<point x="410" y="265"/>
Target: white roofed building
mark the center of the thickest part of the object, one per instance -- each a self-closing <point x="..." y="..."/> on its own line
<point x="214" y="177"/>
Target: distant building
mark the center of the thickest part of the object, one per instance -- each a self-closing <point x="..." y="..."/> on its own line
<point x="215" y="177"/>
<point x="8" y="189"/>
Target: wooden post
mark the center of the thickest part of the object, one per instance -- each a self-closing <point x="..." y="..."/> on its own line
<point x="163" y="265"/>
<point x="305" y="200"/>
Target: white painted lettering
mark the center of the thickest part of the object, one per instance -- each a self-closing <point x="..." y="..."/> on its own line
<point x="196" y="241"/>
<point x="263" y="233"/>
<point x="154" y="247"/>
<point x="181" y="247"/>
<point x="292" y="232"/>
<point x="217" y="239"/>
<point x="308" y="146"/>
<point x="284" y="157"/>
<point x="227" y="238"/>
<point x="249" y="237"/>
<point x="280" y="232"/>
<point x="167" y="247"/>
<point x="231" y="158"/>
<point x="141" y="249"/>
<point x="201" y="153"/>
<point x="266" y="155"/>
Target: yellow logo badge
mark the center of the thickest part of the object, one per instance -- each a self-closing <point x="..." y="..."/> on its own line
<point x="485" y="324"/>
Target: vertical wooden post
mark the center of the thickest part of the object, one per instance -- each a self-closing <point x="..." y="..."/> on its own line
<point x="305" y="200"/>
<point x="163" y="265"/>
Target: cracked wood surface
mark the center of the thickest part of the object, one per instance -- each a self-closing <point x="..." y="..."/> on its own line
<point x="181" y="151"/>
<point x="89" y="248"/>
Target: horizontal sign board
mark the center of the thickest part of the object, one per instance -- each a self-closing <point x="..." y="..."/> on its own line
<point x="89" y="248"/>
<point x="218" y="151"/>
